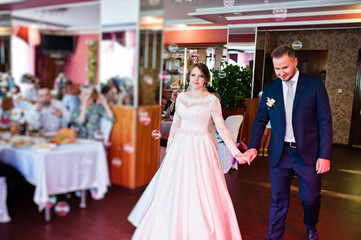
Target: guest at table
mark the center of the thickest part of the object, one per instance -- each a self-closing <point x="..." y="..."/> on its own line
<point x="110" y="94"/>
<point x="28" y="87"/>
<point x="164" y="103"/>
<point x="70" y="98"/>
<point x="87" y="116"/>
<point x="48" y="114"/>
<point x="171" y="103"/>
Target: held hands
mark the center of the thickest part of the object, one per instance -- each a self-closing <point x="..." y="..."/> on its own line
<point x="247" y="157"/>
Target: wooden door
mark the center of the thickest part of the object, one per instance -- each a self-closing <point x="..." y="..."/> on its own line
<point x="355" y="131"/>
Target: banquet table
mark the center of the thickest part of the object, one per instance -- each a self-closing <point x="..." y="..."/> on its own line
<point x="165" y="126"/>
<point x="66" y="168"/>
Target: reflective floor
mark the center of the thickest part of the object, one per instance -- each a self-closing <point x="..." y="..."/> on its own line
<point x="340" y="216"/>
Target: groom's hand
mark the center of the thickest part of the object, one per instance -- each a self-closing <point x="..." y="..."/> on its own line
<point x="250" y="154"/>
<point x="322" y="165"/>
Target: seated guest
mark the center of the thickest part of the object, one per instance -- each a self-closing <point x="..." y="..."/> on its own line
<point x="70" y="98"/>
<point x="171" y="105"/>
<point x="28" y="89"/>
<point x="48" y="114"/>
<point x="110" y="94"/>
<point x="164" y="103"/>
<point x="87" y="116"/>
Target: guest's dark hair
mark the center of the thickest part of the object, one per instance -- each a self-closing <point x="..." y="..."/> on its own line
<point x="282" y="50"/>
<point x="106" y="89"/>
<point x="203" y="68"/>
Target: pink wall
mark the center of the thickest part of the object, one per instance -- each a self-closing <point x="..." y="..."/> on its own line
<point x="244" y="58"/>
<point x="76" y="64"/>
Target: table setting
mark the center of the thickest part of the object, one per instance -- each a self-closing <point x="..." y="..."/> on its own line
<point x="57" y="164"/>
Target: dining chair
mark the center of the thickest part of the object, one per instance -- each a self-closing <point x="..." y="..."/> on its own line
<point x="4" y="215"/>
<point x="233" y="123"/>
<point x="105" y="127"/>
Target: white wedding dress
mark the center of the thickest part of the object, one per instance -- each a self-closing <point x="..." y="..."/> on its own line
<point x="188" y="196"/>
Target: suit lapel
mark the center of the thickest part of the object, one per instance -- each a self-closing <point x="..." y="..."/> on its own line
<point x="279" y="96"/>
<point x="301" y="84"/>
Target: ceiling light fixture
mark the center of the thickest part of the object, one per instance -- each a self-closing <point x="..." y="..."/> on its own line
<point x="10" y="1"/>
<point x="186" y="1"/>
<point x="54" y="11"/>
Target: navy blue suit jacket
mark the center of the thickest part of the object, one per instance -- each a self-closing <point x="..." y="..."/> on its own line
<point x="311" y="119"/>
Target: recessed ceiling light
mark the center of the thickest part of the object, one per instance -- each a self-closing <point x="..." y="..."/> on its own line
<point x="181" y="26"/>
<point x="10" y="1"/>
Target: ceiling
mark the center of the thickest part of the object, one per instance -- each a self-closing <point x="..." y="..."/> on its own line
<point x="78" y="14"/>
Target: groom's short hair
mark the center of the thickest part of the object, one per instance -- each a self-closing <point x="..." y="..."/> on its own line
<point x="282" y="50"/>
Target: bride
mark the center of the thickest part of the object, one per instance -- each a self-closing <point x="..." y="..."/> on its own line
<point x="188" y="196"/>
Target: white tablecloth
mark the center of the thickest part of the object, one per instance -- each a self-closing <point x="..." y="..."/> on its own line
<point x="67" y="168"/>
<point x="165" y="127"/>
<point x="4" y="215"/>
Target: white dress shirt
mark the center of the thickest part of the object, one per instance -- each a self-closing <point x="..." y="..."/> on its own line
<point x="46" y="119"/>
<point x="285" y="89"/>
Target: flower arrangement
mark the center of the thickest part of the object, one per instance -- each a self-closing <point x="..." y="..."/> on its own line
<point x="25" y="78"/>
<point x="61" y="80"/>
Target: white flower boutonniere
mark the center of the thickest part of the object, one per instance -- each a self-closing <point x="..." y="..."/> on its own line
<point x="271" y="103"/>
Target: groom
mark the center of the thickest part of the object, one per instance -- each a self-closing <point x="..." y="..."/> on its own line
<point x="298" y="107"/>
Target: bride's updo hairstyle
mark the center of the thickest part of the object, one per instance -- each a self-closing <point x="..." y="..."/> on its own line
<point x="204" y="69"/>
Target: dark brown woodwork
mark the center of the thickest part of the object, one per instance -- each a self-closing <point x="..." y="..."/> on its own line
<point x="138" y="166"/>
<point x="355" y="130"/>
<point x="251" y="105"/>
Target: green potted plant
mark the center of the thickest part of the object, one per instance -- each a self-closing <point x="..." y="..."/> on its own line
<point x="233" y="84"/>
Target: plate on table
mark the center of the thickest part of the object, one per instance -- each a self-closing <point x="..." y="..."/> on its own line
<point x="48" y="134"/>
<point x="22" y="143"/>
<point x="60" y="140"/>
<point x="44" y="147"/>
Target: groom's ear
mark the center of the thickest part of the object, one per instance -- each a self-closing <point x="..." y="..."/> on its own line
<point x="296" y="62"/>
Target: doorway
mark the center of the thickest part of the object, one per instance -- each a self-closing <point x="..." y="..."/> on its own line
<point x="355" y="131"/>
<point x="311" y="62"/>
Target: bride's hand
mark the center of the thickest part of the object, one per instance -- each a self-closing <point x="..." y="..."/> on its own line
<point x="240" y="158"/>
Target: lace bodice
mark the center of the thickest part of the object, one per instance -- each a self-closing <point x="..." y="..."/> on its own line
<point x="193" y="116"/>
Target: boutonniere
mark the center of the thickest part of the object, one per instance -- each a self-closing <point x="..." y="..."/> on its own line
<point x="271" y="103"/>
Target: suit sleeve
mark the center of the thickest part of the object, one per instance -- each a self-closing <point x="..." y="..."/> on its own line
<point x="260" y="122"/>
<point x="324" y="119"/>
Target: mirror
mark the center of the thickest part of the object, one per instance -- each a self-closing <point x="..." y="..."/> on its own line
<point x="5" y="33"/>
<point x="241" y="52"/>
<point x="150" y="51"/>
<point x="117" y="62"/>
<point x="55" y="44"/>
<point x="118" y="54"/>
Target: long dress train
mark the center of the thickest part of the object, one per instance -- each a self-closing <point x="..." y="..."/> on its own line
<point x="188" y="196"/>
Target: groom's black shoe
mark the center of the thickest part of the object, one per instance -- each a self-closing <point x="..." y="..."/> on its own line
<point x="312" y="234"/>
